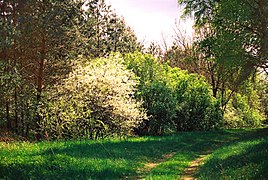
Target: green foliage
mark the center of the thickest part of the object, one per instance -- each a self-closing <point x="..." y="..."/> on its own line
<point x="263" y="93"/>
<point x="34" y="46"/>
<point x="239" y="38"/>
<point x="241" y="114"/>
<point x="196" y="108"/>
<point x="245" y="108"/>
<point x="233" y="43"/>
<point x="160" y="103"/>
<point x="157" y="98"/>
<point x="95" y="100"/>
<point x="174" y="99"/>
<point x="38" y="42"/>
<point x="102" y="31"/>
<point x="16" y="110"/>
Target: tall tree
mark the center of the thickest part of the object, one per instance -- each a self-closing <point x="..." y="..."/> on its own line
<point x="240" y="31"/>
<point x="102" y="31"/>
<point x="232" y="40"/>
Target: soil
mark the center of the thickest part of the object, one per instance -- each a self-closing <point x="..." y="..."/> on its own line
<point x="189" y="172"/>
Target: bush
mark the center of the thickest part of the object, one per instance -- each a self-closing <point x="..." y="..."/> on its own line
<point x="95" y="100"/>
<point x="240" y="114"/>
<point x="160" y="103"/>
<point x="196" y="109"/>
<point x="174" y="99"/>
<point x="158" y="98"/>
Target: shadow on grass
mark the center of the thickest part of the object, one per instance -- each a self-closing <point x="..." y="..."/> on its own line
<point x="245" y="158"/>
<point x="107" y="159"/>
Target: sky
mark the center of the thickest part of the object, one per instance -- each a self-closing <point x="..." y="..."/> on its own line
<point x="151" y="20"/>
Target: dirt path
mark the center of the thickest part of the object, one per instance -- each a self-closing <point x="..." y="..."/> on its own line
<point x="189" y="172"/>
<point x="150" y="165"/>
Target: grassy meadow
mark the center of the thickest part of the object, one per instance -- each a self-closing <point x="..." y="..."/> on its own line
<point x="236" y="154"/>
<point x="246" y="158"/>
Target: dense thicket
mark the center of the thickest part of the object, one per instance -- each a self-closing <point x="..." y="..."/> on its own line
<point x="175" y="100"/>
<point x="232" y="39"/>
<point x="38" y="42"/>
<point x="224" y="84"/>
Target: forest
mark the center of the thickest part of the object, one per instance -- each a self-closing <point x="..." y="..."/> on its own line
<point x="74" y="69"/>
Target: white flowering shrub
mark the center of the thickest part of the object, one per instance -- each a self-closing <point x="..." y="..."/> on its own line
<point x="96" y="100"/>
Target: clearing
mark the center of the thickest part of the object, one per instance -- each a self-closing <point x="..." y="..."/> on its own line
<point x="231" y="154"/>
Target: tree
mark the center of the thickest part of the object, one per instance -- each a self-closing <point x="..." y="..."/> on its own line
<point x="239" y="30"/>
<point x="102" y="31"/>
<point x="233" y="40"/>
<point x="155" y="50"/>
<point x="245" y="108"/>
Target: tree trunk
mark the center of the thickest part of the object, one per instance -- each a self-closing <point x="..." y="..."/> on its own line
<point x="28" y="120"/>
<point x="22" y="122"/>
<point x="262" y="11"/>
<point x="40" y="79"/>
<point x="16" y="111"/>
<point x="14" y="66"/>
<point x="8" y="116"/>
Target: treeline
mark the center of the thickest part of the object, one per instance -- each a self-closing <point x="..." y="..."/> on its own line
<point x="121" y="95"/>
<point x="38" y="42"/>
<point x="60" y="77"/>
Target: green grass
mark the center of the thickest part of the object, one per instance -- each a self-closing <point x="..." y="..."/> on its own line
<point x="246" y="158"/>
<point x="112" y="159"/>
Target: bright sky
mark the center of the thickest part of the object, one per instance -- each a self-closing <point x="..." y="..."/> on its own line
<point x="150" y="19"/>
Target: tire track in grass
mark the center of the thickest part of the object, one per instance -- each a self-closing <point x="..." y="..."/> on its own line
<point x="151" y="165"/>
<point x="189" y="172"/>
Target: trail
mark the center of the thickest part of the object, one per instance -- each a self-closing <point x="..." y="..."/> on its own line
<point x="189" y="172"/>
<point x="150" y="165"/>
